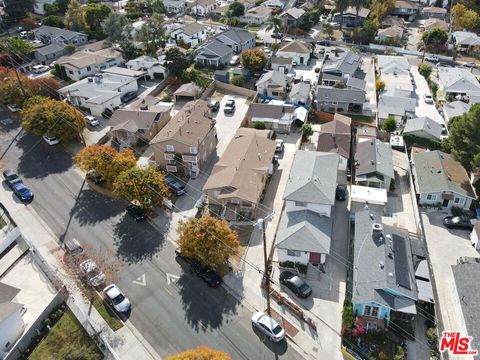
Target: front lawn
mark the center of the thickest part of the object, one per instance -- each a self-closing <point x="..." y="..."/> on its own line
<point x="106" y="312"/>
<point x="67" y="340"/>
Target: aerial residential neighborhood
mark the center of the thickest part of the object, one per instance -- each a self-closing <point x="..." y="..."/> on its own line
<point x="239" y="179"/>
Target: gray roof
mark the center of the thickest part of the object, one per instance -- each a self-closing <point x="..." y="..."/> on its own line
<point x="273" y="76"/>
<point x="356" y="83"/>
<point x="239" y="36"/>
<point x="422" y="279"/>
<point x="395" y="105"/>
<point x="52" y="48"/>
<point x="214" y="49"/>
<point x="312" y="178"/>
<point x="466" y="38"/>
<point x="389" y="64"/>
<point x="7" y="292"/>
<point x="335" y="136"/>
<point x="134" y="119"/>
<point x="281" y="60"/>
<point x="352" y="11"/>
<point x="382" y="260"/>
<point x="423" y="127"/>
<point x="455" y="108"/>
<point x="57" y="32"/>
<point x="189" y="89"/>
<point x="304" y="230"/>
<point x="374" y="157"/>
<point x="346" y="62"/>
<point x="192" y="28"/>
<point x="295" y="13"/>
<point x="8" y="308"/>
<point x="300" y="89"/>
<point x="436" y="171"/>
<point x="458" y="80"/>
<point x="326" y="93"/>
<point x="269" y="111"/>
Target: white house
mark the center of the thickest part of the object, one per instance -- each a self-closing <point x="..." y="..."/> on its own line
<point x="298" y="51"/>
<point x="175" y="7"/>
<point x="256" y="16"/>
<point x="192" y="33"/>
<point x="203" y="7"/>
<point x="153" y="67"/>
<point x="12" y="325"/>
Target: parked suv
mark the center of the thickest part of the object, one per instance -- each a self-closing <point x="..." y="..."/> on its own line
<point x="175" y="186"/>
<point x="11" y="178"/>
<point x="229" y="107"/>
<point x="296" y="284"/>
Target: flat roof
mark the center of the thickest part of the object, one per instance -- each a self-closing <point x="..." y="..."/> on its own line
<point x="371" y="195"/>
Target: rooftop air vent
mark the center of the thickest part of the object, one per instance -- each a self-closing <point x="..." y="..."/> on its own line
<point x="381" y="264"/>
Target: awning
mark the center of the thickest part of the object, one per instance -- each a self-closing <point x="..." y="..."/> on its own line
<point x="447" y="196"/>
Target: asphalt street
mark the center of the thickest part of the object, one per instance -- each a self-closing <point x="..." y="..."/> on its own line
<point x="173" y="309"/>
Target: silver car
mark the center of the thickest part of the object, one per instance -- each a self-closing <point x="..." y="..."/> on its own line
<point x="268" y="326"/>
<point x="116" y="298"/>
<point x="93" y="274"/>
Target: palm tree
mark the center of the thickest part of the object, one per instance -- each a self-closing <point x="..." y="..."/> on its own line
<point x="276" y="23"/>
<point x="341" y="6"/>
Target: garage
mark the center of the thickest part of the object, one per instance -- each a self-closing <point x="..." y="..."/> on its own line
<point x="188" y="92"/>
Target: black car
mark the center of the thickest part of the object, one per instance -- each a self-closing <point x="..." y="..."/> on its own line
<point x="276" y="35"/>
<point x="136" y="212"/>
<point x="323" y="42"/>
<point x="128" y="96"/>
<point x="210" y="276"/>
<point x="349" y="174"/>
<point x="458" y="222"/>
<point x="299" y="287"/>
<point x="341" y="192"/>
<point x="11" y="178"/>
<point x="214" y="105"/>
<point x="229" y="107"/>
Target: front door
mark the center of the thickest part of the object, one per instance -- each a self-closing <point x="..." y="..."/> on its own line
<point x="301" y="59"/>
<point x="445" y="203"/>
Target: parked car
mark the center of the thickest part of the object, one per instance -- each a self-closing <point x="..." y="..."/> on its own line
<point x="469" y="65"/>
<point x="321" y="51"/>
<point x="116" y="298"/>
<point x="229" y="107"/>
<point x="11" y="178"/>
<point x="268" y="326"/>
<point x="235" y="60"/>
<point x="38" y="69"/>
<point x="175" y="186"/>
<point x="299" y="287"/>
<point x="431" y="58"/>
<point x="51" y="140"/>
<point x="341" y="192"/>
<point x="73" y="247"/>
<point x="91" y="271"/>
<point x="136" y="212"/>
<point x="128" y="96"/>
<point x="458" y="222"/>
<point x="323" y="42"/>
<point x="214" y="105"/>
<point x="279" y="146"/>
<point x="428" y="98"/>
<point x="13" y="108"/>
<point x="276" y="35"/>
<point x="91" y="120"/>
<point x="210" y="276"/>
<point x="22" y="192"/>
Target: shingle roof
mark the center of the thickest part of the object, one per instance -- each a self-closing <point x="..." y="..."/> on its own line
<point x="215" y="47"/>
<point x="134" y="119"/>
<point x="345" y="62"/>
<point x="192" y="28"/>
<point x="57" y="32"/>
<point x="281" y="60"/>
<point x="392" y="32"/>
<point x="312" y="178"/>
<point x="374" y="156"/>
<point x="352" y="11"/>
<point x="402" y="4"/>
<point x="84" y="58"/>
<point x="335" y="136"/>
<point x="436" y="171"/>
<point x="237" y="35"/>
<point x="274" y="77"/>
<point x="7" y="292"/>
<point x="434" y="10"/>
<point x="356" y="83"/>
<point x="394" y="105"/>
<point x="269" y="111"/>
<point x="52" y="48"/>
<point x="189" y="89"/>
<point x="295" y="13"/>
<point x="389" y="64"/>
<point x="294" y="47"/>
<point x="300" y="89"/>
<point x="434" y="22"/>
<point x="424" y="127"/>
<point x="393" y="21"/>
<point x="326" y="93"/>
<point x="458" y="80"/>
<point x="455" y="108"/>
<point x="466" y="38"/>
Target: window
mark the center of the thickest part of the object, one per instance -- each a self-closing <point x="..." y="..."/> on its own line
<point x="375" y="311"/>
<point x="371" y="310"/>
<point x="431" y="197"/>
<point x="89" y="68"/>
<point x="274" y="93"/>
<point x="170" y="148"/>
<point x="459" y="201"/>
<point x="70" y="72"/>
<point x="293" y="253"/>
<point x="300" y="203"/>
<point x="193" y="150"/>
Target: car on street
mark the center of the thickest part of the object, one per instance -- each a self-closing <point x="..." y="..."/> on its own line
<point x="51" y="140"/>
<point x="268" y="326"/>
<point x="276" y="35"/>
<point x="207" y="274"/>
<point x="91" y="120"/>
<point x="341" y="192"/>
<point x="23" y="193"/>
<point x="235" y="60"/>
<point x="431" y="58"/>
<point x="13" y="108"/>
<point x="323" y="42"/>
<point x="458" y="222"/>
<point x="174" y="185"/>
<point x="229" y="107"/>
<point x="38" y="69"/>
<point x="279" y="146"/>
<point x="136" y="212"/>
<point x="299" y="287"/>
<point x="11" y="178"/>
<point x="128" y="96"/>
<point x="74" y="247"/>
<point x="214" y="105"/>
<point x="428" y="98"/>
<point x="116" y="298"/>
<point x="469" y="65"/>
<point x="92" y="273"/>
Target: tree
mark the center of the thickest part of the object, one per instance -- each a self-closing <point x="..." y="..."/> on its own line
<point x="379" y="9"/>
<point x="236" y="9"/>
<point x="259" y="125"/>
<point x="62" y="5"/>
<point x="274" y="23"/>
<point x="253" y="59"/>
<point x="155" y="6"/>
<point x="435" y="38"/>
<point x="389" y="124"/>
<point x="379" y="85"/>
<point x="145" y="186"/>
<point x="129" y="50"/>
<point x="357" y="4"/>
<point x="27" y="23"/>
<point x="18" y="47"/>
<point x="95" y="13"/>
<point x="53" y="20"/>
<point x="54" y="118"/>
<point x="34" y="100"/>
<point x="151" y="33"/>
<point x="175" y="61"/>
<point x="201" y="353"/>
<point x="464" y="137"/>
<point x="327" y="29"/>
<point x="425" y="70"/>
<point x="307" y="131"/>
<point x="105" y="161"/>
<point x="17" y="9"/>
<point x="208" y="239"/>
<point x="117" y="27"/>
<point x="464" y="18"/>
<point x="238" y="80"/>
<point x="74" y="17"/>
<point x="51" y="9"/>
<point x="341" y="6"/>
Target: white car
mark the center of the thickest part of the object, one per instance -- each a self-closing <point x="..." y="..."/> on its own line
<point x="51" y="140"/>
<point x="38" y="69"/>
<point x="13" y="108"/>
<point x="116" y="298"/>
<point x="235" y="60"/>
<point x="91" y="120"/>
<point x="428" y="98"/>
<point x="94" y="275"/>
<point x="268" y="326"/>
<point x="431" y="58"/>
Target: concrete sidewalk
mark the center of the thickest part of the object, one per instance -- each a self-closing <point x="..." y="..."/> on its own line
<point x="125" y="343"/>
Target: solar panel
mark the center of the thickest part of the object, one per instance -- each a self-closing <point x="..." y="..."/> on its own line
<point x="401" y="261"/>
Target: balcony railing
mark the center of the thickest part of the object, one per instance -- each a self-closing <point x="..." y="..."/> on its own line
<point x="190" y="158"/>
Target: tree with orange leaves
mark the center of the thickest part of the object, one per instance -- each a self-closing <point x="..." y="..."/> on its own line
<point x="201" y="353"/>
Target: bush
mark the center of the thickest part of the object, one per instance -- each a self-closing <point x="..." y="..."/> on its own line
<point x="259" y="125"/>
<point x="301" y="268"/>
<point x="238" y="80"/>
<point x="167" y="98"/>
<point x="425" y="70"/>
<point x="317" y="70"/>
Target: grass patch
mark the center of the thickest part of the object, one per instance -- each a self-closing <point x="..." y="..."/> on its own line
<point x="253" y="28"/>
<point x="108" y="314"/>
<point x="363" y="118"/>
<point x="67" y="340"/>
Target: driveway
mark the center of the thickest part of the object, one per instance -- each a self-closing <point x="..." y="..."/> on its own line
<point x="414" y="35"/>
<point x="422" y="108"/>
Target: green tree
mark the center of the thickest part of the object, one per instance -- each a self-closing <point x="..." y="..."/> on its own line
<point x="34" y="100"/>
<point x="151" y="33"/>
<point x="145" y="186"/>
<point x="435" y="38"/>
<point x="129" y="50"/>
<point x="53" y="20"/>
<point x="341" y="6"/>
<point x="208" y="239"/>
<point x="307" y="130"/>
<point x="464" y="18"/>
<point x="17" y="9"/>
<point x="236" y="9"/>
<point x="253" y="59"/>
<point x="117" y="27"/>
<point x="175" y="61"/>
<point x="95" y="13"/>
<point x="54" y="118"/>
<point x="62" y="5"/>
<point x="274" y="23"/>
<point x="425" y="70"/>
<point x="327" y="29"/>
<point x="379" y="9"/>
<point x="259" y="125"/>
<point x="389" y="124"/>
<point x="18" y="47"/>
<point x="200" y="353"/>
<point x="51" y="9"/>
<point x="464" y="137"/>
<point x="74" y="17"/>
<point x="155" y="6"/>
<point x="379" y="85"/>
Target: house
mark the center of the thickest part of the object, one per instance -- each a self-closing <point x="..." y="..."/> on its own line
<point x="350" y="17"/>
<point x="383" y="274"/>
<point x="356" y="83"/>
<point x="361" y="196"/>
<point x="423" y="127"/>
<point x="433" y="12"/>
<point x="237" y="39"/>
<point x="52" y="35"/>
<point x="274" y="4"/>
<point x="389" y="64"/>
<point x="466" y="41"/>
<point x="405" y="9"/>
<point x="292" y="16"/>
<point x="153" y="67"/>
<point x="248" y="4"/>
<point x="46" y="54"/>
<point x="175" y="7"/>
<point x="298" y="51"/>
<point x="475" y="235"/>
<point x="12" y="325"/>
<point x="238" y="179"/>
<point x="336" y="137"/>
<point x="454" y="109"/>
<point x="280" y="64"/>
<point x="188" y="141"/>
<point x="188" y="92"/>
<point x="203" y="7"/>
<point x="440" y="179"/>
<point x="340" y="100"/>
<point x="455" y="81"/>
<point x="88" y="62"/>
<point x="192" y="33"/>
<point x="99" y="93"/>
<point x="339" y="67"/>
<point x="256" y="16"/>
<point x="431" y="23"/>
<point x="392" y="21"/>
<point x="365" y="133"/>
<point x="273" y="84"/>
<point x="299" y="94"/>
<point x="373" y="164"/>
<point x="397" y="106"/>
<point x="276" y="117"/>
<point x="140" y="122"/>
<point x="305" y="228"/>
<point x="391" y="33"/>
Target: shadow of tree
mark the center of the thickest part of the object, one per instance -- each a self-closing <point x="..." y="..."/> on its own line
<point x="92" y="207"/>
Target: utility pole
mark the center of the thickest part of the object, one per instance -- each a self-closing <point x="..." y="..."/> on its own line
<point x="266" y="276"/>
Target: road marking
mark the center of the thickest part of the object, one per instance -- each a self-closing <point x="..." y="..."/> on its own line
<point x="168" y="291"/>
<point x="172" y="278"/>
<point x="140" y="280"/>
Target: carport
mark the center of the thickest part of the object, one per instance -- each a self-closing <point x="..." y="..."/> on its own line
<point x="188" y="92"/>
